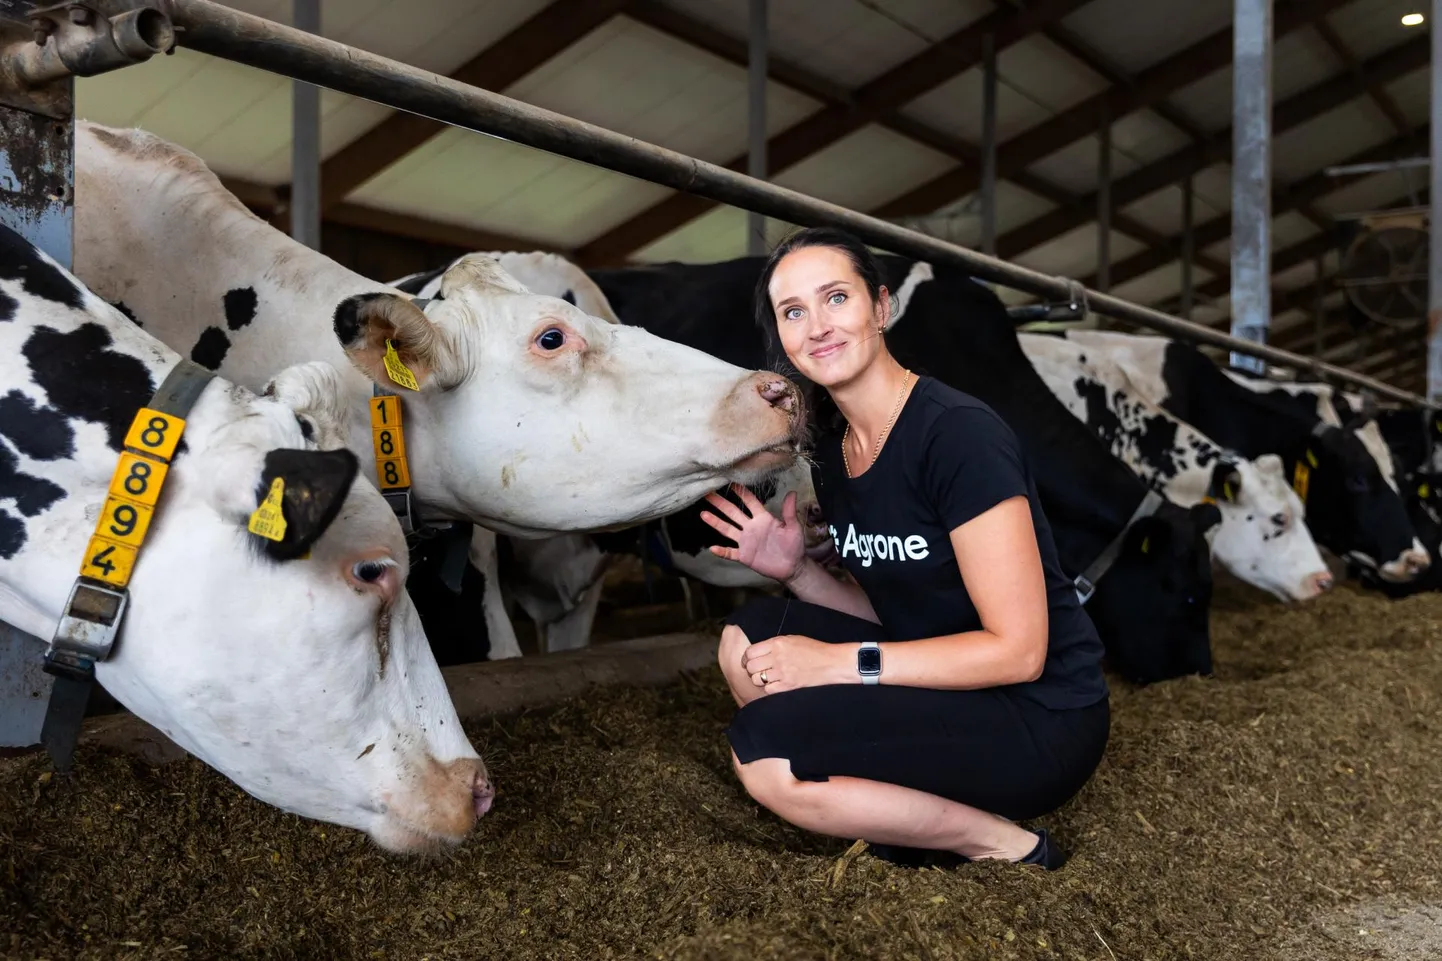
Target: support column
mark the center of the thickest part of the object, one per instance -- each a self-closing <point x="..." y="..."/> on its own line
<point x="305" y="143"/>
<point x="1104" y="205"/>
<point x="1251" y="176"/>
<point x="756" y="245"/>
<point x="37" y="191"/>
<point x="1189" y="252"/>
<point x="1434" y="271"/>
<point x="988" y="145"/>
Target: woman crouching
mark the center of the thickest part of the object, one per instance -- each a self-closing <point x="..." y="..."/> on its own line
<point x="954" y="685"/>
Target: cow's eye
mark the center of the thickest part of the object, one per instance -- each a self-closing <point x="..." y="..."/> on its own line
<point x="369" y="571"/>
<point x="552" y="338"/>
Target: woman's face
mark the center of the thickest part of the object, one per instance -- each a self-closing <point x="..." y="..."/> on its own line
<point x="827" y="322"/>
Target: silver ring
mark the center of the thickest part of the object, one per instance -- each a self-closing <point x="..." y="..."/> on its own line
<point x="763" y="677"/>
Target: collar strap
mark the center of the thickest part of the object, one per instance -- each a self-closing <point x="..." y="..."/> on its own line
<point x="98" y="599"/>
<point x="1085" y="582"/>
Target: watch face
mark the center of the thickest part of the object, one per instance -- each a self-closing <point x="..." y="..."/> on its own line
<point x="868" y="660"/>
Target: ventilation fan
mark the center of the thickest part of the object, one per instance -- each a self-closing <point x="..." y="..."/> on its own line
<point x="1384" y="267"/>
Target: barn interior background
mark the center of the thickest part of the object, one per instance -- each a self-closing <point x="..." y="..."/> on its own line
<point x="877" y="106"/>
<point x="1089" y="139"/>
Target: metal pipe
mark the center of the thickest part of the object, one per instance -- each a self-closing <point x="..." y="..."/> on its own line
<point x="1104" y="204"/>
<point x="1434" y="265"/>
<point x="1189" y="242"/>
<point x="243" y="38"/>
<point x="988" y="144"/>
<point x="1251" y="176"/>
<point x="305" y="143"/>
<point x="1319" y="313"/>
<point x="756" y="244"/>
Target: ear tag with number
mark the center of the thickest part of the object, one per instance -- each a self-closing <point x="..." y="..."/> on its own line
<point x="268" y="521"/>
<point x="397" y="369"/>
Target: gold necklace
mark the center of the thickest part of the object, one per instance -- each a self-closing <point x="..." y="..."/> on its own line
<point x="881" y="438"/>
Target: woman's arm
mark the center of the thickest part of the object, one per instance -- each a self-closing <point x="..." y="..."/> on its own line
<point x="1000" y="563"/>
<point x="813" y="584"/>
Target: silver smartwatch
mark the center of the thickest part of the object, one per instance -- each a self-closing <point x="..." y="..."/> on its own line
<point x="868" y="662"/>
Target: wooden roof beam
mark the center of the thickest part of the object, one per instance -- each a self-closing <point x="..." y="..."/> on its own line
<point x="897" y="87"/>
<point x="1284" y="199"/>
<point x="503" y="63"/>
<point x="1295" y="110"/>
<point x="270" y="203"/>
<point x="1376" y="92"/>
<point x="1175" y="73"/>
<point x="686" y="29"/>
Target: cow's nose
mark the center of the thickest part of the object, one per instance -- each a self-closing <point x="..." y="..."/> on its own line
<point x="1319" y="583"/>
<point x="778" y="392"/>
<point x="483" y="793"/>
<point x="1416" y="561"/>
<point x="814" y="517"/>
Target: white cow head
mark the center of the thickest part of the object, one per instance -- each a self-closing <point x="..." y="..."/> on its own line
<point x="297" y="668"/>
<point x="1263" y="538"/>
<point x="532" y="415"/>
<point x="543" y="405"/>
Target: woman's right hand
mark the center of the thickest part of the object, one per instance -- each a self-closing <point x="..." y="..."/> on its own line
<point x="772" y="547"/>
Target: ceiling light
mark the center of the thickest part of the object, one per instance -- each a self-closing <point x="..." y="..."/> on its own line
<point x="1412" y="19"/>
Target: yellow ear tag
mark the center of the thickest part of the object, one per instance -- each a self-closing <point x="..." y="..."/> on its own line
<point x="1424" y="491"/>
<point x="398" y="371"/>
<point x="1227" y="492"/>
<point x="268" y="521"/>
<point x="1146" y="544"/>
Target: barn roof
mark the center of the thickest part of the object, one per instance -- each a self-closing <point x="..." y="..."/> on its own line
<point x="874" y="104"/>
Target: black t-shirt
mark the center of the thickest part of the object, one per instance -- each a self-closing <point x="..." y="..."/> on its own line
<point x="948" y="459"/>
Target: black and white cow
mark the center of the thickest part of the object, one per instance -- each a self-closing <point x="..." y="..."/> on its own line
<point x="1263" y="538"/>
<point x="532" y="416"/>
<point x="1351" y="508"/>
<point x="1152" y="606"/>
<point x="304" y="678"/>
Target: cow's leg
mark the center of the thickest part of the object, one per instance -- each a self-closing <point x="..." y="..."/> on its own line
<point x="572" y="630"/>
<point x="493" y="605"/>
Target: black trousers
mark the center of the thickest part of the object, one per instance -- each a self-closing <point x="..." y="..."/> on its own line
<point x="994" y="748"/>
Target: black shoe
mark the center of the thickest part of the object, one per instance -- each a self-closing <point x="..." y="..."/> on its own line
<point x="1046" y="853"/>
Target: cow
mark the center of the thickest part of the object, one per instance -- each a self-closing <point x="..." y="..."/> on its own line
<point x="1152" y="605"/>
<point x="1351" y="509"/>
<point x="531" y="416"/>
<point x="295" y="666"/>
<point x="1263" y="538"/>
<point x="557" y="581"/>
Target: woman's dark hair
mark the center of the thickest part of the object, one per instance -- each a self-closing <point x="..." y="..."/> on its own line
<point x="868" y="268"/>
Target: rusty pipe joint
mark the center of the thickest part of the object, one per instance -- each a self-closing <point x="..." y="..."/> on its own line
<point x="74" y="39"/>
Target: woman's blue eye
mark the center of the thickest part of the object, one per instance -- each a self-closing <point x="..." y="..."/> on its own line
<point x="834" y="302"/>
<point x="552" y="339"/>
<point x="793" y="313"/>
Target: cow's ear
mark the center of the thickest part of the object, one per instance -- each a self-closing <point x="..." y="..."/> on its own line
<point x="482" y="272"/>
<point x="300" y="494"/>
<point x="392" y="341"/>
<point x="1226" y="483"/>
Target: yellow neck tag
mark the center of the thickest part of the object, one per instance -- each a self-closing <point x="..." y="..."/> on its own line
<point x="1301" y="477"/>
<point x="268" y="521"/>
<point x="398" y="371"/>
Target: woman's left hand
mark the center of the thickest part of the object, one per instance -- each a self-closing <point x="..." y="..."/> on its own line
<point x="790" y="661"/>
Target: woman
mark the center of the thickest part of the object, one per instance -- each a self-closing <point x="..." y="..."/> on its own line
<point x="954" y="684"/>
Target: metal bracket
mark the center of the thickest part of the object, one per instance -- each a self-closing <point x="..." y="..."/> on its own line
<point x="72" y="40"/>
<point x="1084" y="588"/>
<point x="86" y="632"/>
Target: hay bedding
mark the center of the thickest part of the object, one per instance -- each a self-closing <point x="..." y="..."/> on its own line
<point x="1274" y="811"/>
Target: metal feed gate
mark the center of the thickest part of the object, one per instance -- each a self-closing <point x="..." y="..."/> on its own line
<point x="44" y="46"/>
